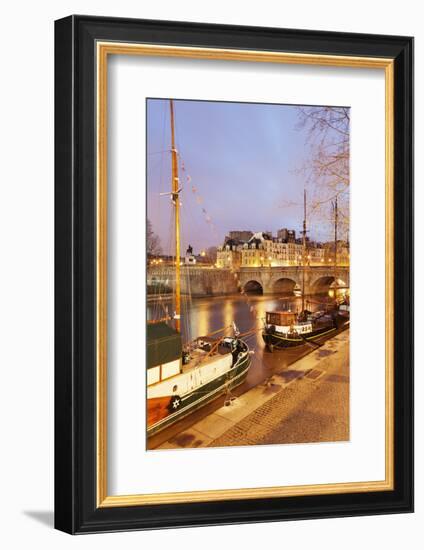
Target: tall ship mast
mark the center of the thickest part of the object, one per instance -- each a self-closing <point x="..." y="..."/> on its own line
<point x="304" y="254"/>
<point x="176" y="202"/>
<point x="184" y="376"/>
<point x="335" y="209"/>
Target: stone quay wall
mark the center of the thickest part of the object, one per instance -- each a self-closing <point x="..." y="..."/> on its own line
<point x="199" y="281"/>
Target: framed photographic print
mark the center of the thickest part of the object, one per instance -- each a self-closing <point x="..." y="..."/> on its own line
<point x="234" y="274"/>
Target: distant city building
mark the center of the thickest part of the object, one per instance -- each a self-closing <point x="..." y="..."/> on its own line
<point x="242" y="236"/>
<point x="343" y="253"/>
<point x="286" y="235"/>
<point x="264" y="250"/>
<point x="229" y="254"/>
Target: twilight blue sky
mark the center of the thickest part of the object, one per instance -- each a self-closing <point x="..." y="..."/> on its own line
<point x="241" y="159"/>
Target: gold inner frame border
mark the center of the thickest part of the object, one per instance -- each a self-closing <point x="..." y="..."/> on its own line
<point x="103" y="50"/>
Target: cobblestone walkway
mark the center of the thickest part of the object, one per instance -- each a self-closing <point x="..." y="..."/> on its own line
<point x="309" y="410"/>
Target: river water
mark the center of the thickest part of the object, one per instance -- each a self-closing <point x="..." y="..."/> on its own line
<point x="203" y="316"/>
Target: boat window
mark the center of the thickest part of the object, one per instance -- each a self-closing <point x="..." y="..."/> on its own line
<point x="171" y="369"/>
<point x="273" y="318"/>
<point x="175" y="388"/>
<point x="153" y="375"/>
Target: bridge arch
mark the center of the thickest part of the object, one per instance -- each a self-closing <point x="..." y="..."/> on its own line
<point x="253" y="287"/>
<point x="284" y="285"/>
<point x="341" y="286"/>
<point x="322" y="284"/>
<point x="326" y="284"/>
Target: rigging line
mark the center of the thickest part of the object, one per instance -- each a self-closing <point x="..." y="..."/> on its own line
<point x="158" y="290"/>
<point x="152" y="167"/>
<point x="197" y="198"/>
<point x="177" y="129"/>
<point x="165" y="112"/>
<point x="163" y="306"/>
<point x="158" y="152"/>
<point x="206" y="215"/>
<point x="192" y="220"/>
<point x="214" y="347"/>
<point x="250" y="340"/>
<point x="252" y="309"/>
<point x="250" y="332"/>
<point x="184" y="209"/>
<point x="165" y="277"/>
<point x="187" y="302"/>
<point x="214" y="332"/>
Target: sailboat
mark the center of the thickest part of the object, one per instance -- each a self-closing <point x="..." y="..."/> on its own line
<point x="284" y="329"/>
<point x="184" y="376"/>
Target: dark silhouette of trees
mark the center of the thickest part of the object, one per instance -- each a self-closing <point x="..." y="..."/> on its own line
<point x="154" y="247"/>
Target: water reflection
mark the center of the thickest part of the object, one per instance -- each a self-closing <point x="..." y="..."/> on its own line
<point x="202" y="316"/>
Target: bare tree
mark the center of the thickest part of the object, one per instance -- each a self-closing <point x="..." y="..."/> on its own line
<point x="154" y="247"/>
<point x="328" y="134"/>
<point x="327" y="167"/>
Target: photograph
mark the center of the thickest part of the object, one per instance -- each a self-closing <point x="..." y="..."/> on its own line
<point x="248" y="273"/>
<point x="223" y="194"/>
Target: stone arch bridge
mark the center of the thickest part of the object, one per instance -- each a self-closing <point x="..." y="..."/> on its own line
<point x="210" y="281"/>
<point x="272" y="280"/>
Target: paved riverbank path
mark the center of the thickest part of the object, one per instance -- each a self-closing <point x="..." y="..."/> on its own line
<point x="307" y="402"/>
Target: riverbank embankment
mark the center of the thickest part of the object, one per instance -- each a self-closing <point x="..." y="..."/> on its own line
<point x="306" y="402"/>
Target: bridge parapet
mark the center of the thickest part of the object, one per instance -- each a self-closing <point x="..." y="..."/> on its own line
<point x="211" y="281"/>
<point x="197" y="281"/>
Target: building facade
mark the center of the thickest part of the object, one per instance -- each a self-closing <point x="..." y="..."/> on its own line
<point x="264" y="250"/>
<point x="229" y="254"/>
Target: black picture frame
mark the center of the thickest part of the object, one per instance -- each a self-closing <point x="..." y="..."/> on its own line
<point x="76" y="510"/>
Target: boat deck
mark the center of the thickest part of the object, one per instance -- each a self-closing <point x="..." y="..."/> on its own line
<point x="204" y="357"/>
